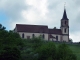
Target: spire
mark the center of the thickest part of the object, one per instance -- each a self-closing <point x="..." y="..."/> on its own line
<point x="64" y="14"/>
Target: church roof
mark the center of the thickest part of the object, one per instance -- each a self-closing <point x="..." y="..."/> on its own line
<point x="64" y="15"/>
<point x="32" y="28"/>
<point x="54" y="31"/>
<point x="36" y="29"/>
<point x="50" y="36"/>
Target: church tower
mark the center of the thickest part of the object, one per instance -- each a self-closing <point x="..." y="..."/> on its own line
<point x="65" y="27"/>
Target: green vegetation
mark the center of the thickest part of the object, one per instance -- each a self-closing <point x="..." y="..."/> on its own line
<point x="74" y="47"/>
<point x="76" y="50"/>
<point x="12" y="47"/>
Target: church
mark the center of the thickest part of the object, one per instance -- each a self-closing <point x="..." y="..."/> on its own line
<point x="28" y="31"/>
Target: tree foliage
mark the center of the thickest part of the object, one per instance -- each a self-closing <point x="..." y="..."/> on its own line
<point x="47" y="51"/>
<point x="10" y="53"/>
<point x="65" y="53"/>
<point x="10" y="45"/>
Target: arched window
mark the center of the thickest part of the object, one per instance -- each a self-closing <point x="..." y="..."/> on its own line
<point x="33" y="35"/>
<point x="56" y="38"/>
<point x="23" y="35"/>
<point x="65" y="30"/>
<point x="43" y="36"/>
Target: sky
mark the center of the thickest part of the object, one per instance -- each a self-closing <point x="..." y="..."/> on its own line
<point x="41" y="12"/>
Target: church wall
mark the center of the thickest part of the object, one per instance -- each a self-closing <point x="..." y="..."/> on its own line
<point x="59" y="37"/>
<point x="52" y="39"/>
<point x="35" y="34"/>
<point x="63" y="30"/>
<point x="65" y="38"/>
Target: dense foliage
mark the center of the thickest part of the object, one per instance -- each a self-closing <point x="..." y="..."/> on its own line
<point x="65" y="53"/>
<point x="12" y="47"/>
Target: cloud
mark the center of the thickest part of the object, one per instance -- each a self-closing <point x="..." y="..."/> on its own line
<point x="42" y="12"/>
<point x="75" y="36"/>
<point x="13" y="9"/>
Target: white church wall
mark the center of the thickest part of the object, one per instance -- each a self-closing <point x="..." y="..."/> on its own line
<point x="35" y="34"/>
<point x="65" y="38"/>
<point x="59" y="37"/>
<point x="52" y="39"/>
<point x="63" y="30"/>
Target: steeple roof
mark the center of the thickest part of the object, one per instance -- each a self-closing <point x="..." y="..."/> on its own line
<point x="64" y="15"/>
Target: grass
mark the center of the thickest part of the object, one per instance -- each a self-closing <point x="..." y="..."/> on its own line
<point x="75" y="48"/>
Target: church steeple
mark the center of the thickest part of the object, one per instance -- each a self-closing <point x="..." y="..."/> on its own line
<point x="65" y="26"/>
<point x="64" y="15"/>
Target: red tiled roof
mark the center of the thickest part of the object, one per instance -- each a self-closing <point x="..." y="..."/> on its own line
<point x="54" y="31"/>
<point x="32" y="28"/>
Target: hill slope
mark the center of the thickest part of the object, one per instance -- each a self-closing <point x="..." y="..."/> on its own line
<point x="76" y="50"/>
<point x="74" y="47"/>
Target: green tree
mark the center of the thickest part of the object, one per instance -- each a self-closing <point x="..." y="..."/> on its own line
<point x="10" y="53"/>
<point x="30" y="47"/>
<point x="65" y="53"/>
<point x="2" y="27"/>
<point x="47" y="51"/>
<point x="10" y="45"/>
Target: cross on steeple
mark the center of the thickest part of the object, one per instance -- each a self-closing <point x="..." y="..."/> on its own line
<point x="64" y="14"/>
<point x="64" y="5"/>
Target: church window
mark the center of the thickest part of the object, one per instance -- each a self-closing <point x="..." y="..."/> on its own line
<point x="52" y="39"/>
<point x="56" y="38"/>
<point x="65" y="30"/>
<point x="33" y="35"/>
<point x="23" y="35"/>
<point x="43" y="36"/>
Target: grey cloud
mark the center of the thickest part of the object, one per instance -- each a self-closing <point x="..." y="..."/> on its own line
<point x="13" y="8"/>
<point x="77" y="2"/>
<point x="76" y="23"/>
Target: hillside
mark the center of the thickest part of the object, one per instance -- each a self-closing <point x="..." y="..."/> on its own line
<point x="76" y="50"/>
<point x="74" y="47"/>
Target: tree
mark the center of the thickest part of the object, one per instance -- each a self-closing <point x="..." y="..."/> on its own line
<point x="47" y="51"/>
<point x="10" y="45"/>
<point x="30" y="48"/>
<point x="54" y="28"/>
<point x="10" y="53"/>
<point x="65" y="53"/>
<point x="70" y="40"/>
<point x="2" y="27"/>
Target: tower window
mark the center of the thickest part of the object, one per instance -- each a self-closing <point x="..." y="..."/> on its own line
<point x="65" y="30"/>
<point x="65" y="22"/>
<point x="23" y="35"/>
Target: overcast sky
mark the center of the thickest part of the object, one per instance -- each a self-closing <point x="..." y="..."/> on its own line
<point x="41" y="12"/>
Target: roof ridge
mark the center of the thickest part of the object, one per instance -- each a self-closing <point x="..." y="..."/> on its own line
<point x="31" y="25"/>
